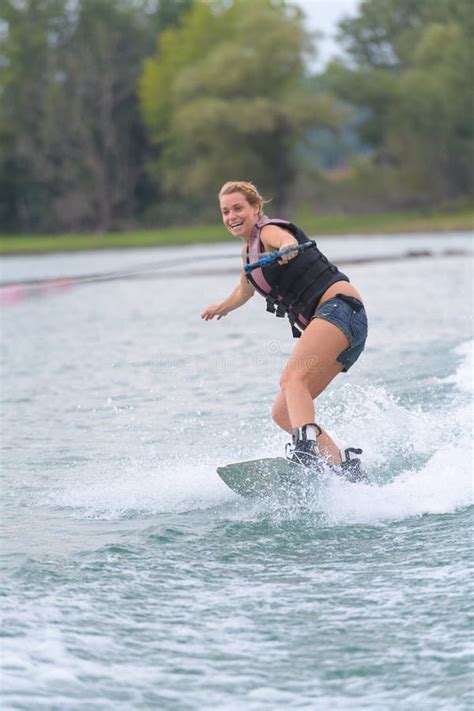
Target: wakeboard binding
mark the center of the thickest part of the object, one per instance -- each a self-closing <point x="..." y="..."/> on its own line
<point x="304" y="450"/>
<point x="351" y="466"/>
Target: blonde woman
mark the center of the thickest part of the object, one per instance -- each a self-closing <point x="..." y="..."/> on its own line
<point x="325" y="311"/>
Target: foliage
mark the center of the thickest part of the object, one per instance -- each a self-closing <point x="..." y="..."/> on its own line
<point x="411" y="70"/>
<point x="118" y="112"/>
<point x="73" y="144"/>
<point x="224" y="98"/>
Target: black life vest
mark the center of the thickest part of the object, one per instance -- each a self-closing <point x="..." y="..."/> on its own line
<point x="293" y="289"/>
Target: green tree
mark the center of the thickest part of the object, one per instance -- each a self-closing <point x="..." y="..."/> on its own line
<point x="28" y="33"/>
<point x="411" y="71"/>
<point x="224" y="97"/>
<point x="73" y="146"/>
<point x="102" y="146"/>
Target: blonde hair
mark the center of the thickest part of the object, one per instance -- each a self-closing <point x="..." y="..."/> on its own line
<point x="248" y="190"/>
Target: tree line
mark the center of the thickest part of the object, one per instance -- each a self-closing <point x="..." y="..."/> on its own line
<point x="117" y="113"/>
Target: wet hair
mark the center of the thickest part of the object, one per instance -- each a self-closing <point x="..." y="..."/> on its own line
<point x="248" y="190"/>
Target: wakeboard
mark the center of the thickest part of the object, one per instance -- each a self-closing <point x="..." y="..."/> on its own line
<point x="261" y="478"/>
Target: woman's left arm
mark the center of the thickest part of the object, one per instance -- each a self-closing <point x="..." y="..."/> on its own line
<point x="274" y="237"/>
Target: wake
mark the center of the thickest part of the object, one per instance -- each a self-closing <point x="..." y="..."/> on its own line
<point x="419" y="462"/>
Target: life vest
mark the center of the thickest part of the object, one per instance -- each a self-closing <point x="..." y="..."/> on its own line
<point x="295" y="288"/>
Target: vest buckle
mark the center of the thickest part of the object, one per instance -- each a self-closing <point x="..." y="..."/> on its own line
<point x="271" y="304"/>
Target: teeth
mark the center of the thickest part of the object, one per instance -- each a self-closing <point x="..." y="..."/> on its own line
<point x="236" y="224"/>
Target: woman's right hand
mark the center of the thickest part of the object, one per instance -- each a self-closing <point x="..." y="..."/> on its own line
<point x="214" y="310"/>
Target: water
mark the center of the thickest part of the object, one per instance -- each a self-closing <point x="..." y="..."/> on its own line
<point x="133" y="579"/>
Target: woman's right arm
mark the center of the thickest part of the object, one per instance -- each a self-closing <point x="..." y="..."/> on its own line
<point x="241" y="294"/>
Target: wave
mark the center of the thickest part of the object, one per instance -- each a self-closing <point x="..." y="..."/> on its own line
<point x="418" y="458"/>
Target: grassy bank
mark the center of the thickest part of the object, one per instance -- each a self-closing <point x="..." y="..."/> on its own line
<point x="384" y="223"/>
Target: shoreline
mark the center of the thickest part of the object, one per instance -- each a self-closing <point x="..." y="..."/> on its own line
<point x="324" y="226"/>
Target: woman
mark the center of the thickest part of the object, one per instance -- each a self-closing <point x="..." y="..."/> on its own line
<point x="325" y="311"/>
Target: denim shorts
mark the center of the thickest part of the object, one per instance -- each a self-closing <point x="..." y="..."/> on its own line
<point x="348" y="314"/>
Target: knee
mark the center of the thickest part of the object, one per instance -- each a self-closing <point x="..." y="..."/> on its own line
<point x="289" y="379"/>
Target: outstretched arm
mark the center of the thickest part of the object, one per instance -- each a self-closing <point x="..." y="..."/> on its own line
<point x="274" y="237"/>
<point x="241" y="294"/>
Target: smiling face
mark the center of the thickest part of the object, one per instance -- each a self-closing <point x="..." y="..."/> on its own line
<point x="238" y="215"/>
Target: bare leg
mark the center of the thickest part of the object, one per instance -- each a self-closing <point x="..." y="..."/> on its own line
<point x="310" y="369"/>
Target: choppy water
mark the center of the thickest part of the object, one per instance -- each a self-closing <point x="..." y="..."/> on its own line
<point x="133" y="579"/>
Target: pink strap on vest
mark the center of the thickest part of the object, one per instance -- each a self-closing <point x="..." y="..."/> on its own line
<point x="255" y="249"/>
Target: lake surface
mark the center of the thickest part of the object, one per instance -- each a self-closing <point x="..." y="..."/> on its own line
<point x="134" y="579"/>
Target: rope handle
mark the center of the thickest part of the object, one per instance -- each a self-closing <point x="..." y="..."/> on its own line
<point x="275" y="256"/>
